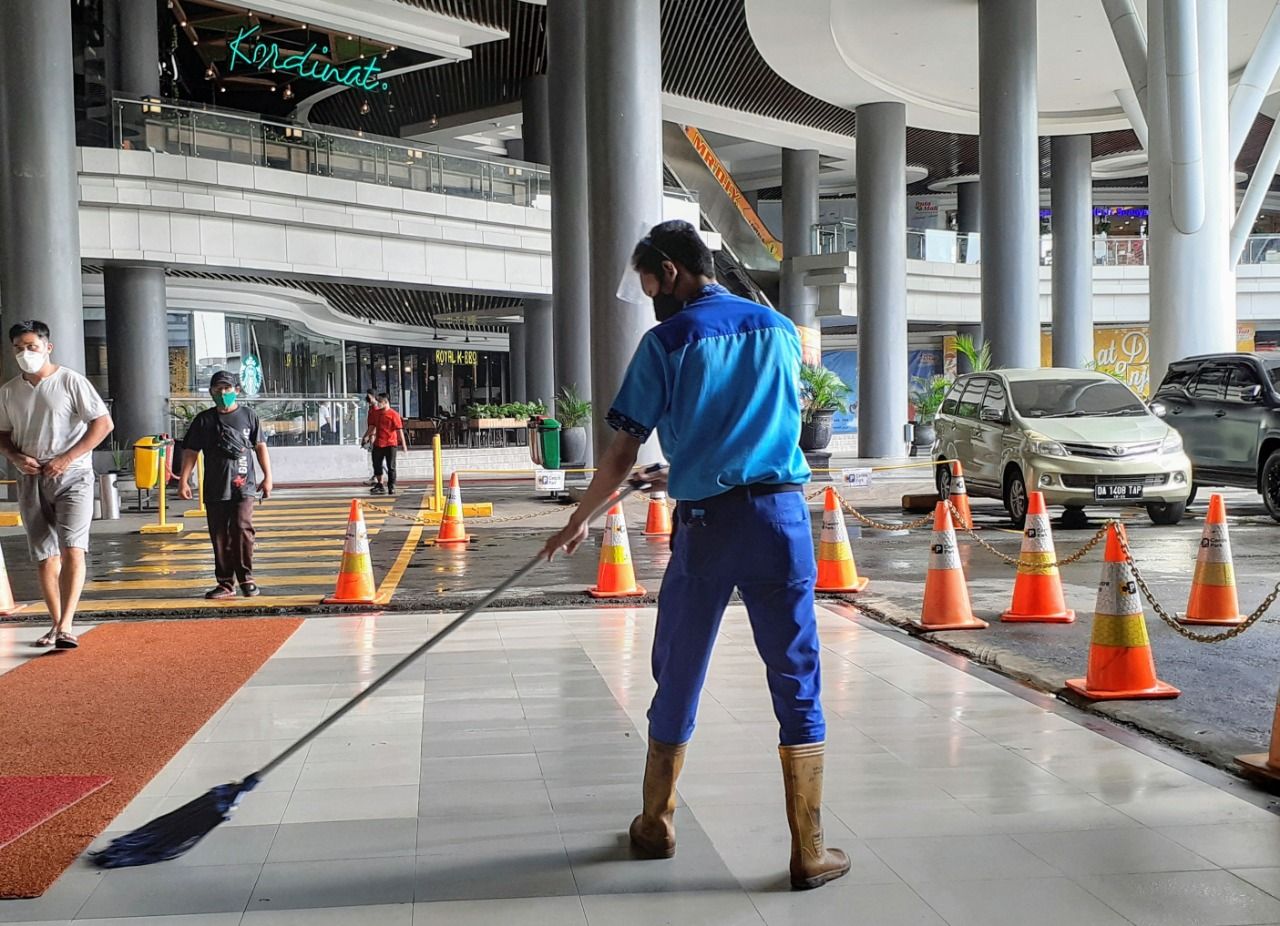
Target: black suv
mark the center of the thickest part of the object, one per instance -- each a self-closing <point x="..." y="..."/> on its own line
<point x="1227" y="409"/>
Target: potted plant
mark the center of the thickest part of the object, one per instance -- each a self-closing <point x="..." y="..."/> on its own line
<point x="927" y="398"/>
<point x="573" y="412"/>
<point x="822" y="394"/>
<point x="978" y="356"/>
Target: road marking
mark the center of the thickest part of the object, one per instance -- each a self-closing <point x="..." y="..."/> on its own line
<point x="391" y="581"/>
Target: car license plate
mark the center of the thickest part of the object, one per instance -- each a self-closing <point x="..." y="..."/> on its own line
<point x="1117" y="492"/>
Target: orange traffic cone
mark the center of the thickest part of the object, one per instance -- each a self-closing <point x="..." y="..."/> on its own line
<point x="1266" y="764"/>
<point x="616" y="577"/>
<point x="658" y="523"/>
<point x="452" y="530"/>
<point x="1121" y="666"/>
<point x="355" y="577"/>
<point x="1213" y="590"/>
<point x="1037" y="591"/>
<point x="7" y="604"/>
<point x="960" y="496"/>
<point x="946" y="596"/>
<point x="837" y="571"/>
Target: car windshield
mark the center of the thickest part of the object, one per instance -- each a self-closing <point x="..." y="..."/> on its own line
<point x="1273" y="373"/>
<point x="1074" y="398"/>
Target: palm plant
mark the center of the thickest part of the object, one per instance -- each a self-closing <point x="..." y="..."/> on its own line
<point x="821" y="390"/>
<point x="572" y="410"/>
<point x="928" y="394"/>
<point x="978" y="356"/>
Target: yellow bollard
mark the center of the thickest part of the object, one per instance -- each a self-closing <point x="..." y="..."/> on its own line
<point x="199" y="511"/>
<point x="164" y="527"/>
<point x="436" y="503"/>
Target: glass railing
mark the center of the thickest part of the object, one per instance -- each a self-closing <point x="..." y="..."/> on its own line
<point x="182" y="128"/>
<point x="287" y="421"/>
<point x="948" y="247"/>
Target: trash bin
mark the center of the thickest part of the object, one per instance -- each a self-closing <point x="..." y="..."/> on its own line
<point x="108" y="507"/>
<point x="146" y="461"/>
<point x="544" y="442"/>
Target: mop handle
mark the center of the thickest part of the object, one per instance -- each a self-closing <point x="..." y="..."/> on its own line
<point x="637" y="484"/>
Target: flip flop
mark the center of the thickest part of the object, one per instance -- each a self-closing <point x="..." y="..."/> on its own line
<point x="47" y="640"/>
<point x="66" y="641"/>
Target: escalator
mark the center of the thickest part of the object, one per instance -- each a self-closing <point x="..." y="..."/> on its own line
<point x="748" y="263"/>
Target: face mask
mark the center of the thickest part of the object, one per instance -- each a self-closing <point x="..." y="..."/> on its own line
<point x="227" y="399"/>
<point x="666" y="305"/>
<point x="32" y="361"/>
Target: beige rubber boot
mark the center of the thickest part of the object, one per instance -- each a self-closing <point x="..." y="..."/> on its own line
<point x="812" y="863"/>
<point x="653" y="833"/>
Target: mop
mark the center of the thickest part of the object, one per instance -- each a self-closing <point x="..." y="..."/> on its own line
<point x="176" y="832"/>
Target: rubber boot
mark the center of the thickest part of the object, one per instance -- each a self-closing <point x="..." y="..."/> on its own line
<point x="653" y="833"/>
<point x="812" y="863"/>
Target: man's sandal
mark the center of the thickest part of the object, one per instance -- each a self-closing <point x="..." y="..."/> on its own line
<point x="47" y="640"/>
<point x="66" y="640"/>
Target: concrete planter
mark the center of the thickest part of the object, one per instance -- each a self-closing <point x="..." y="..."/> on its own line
<point x="573" y="446"/>
<point x="481" y="424"/>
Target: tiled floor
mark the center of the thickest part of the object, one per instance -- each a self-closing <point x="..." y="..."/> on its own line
<point x="494" y="782"/>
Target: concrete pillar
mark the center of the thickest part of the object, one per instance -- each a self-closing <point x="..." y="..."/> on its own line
<point x="969" y="207"/>
<point x="570" y="237"/>
<point x="882" y="278"/>
<point x="624" y="154"/>
<point x="1193" y="296"/>
<point x="517" y="344"/>
<point x="539" y="370"/>
<point x="799" y="214"/>
<point x="39" y="218"/>
<point x="1009" y="164"/>
<point x="139" y="52"/>
<point x="539" y="377"/>
<point x="1071" y="201"/>
<point x="137" y="350"/>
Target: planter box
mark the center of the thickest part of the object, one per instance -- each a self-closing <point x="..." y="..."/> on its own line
<point x="483" y="424"/>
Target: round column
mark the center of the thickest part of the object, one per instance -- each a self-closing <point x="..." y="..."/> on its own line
<point x="1009" y="165"/>
<point x="539" y="369"/>
<point x="882" y="278"/>
<point x="139" y="57"/>
<point x="137" y="350"/>
<point x="969" y="207"/>
<point x="517" y="345"/>
<point x="624" y="154"/>
<point x="799" y="215"/>
<point x="1071" y="201"/>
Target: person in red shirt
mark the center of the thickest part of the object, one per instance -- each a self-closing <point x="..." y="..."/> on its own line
<point x="386" y="433"/>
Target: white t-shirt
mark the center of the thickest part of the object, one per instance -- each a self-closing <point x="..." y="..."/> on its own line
<point x="48" y="419"/>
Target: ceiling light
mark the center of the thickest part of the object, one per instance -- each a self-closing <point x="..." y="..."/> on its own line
<point x="288" y="92"/>
<point x="222" y="89"/>
<point x="407" y="368"/>
<point x="151" y="105"/>
<point x="292" y="131"/>
<point x="209" y="72"/>
<point x="350" y="37"/>
<point x="183" y="24"/>
<point x="364" y="107"/>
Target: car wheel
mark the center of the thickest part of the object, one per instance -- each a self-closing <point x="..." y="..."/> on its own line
<point x="942" y="476"/>
<point x="1015" y="497"/>
<point x="1271" y="484"/>
<point x="1191" y="498"/>
<point x="1166" y="512"/>
<point x="1075" y="518"/>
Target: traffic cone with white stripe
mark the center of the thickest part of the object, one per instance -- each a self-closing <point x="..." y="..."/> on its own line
<point x="616" y="577"/>
<point x="453" y="531"/>
<point x="1265" y="764"/>
<point x="837" y="571"/>
<point x="946" y="595"/>
<point x="355" y="576"/>
<point x="7" y="604"/>
<point x="1213" y="589"/>
<point x="1121" y="666"/>
<point x="658" y="523"/>
<point x="959" y="497"/>
<point x="1037" y="591"/>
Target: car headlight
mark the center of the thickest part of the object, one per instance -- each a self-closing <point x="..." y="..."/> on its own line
<point x="1048" y="448"/>
<point x="1172" y="442"/>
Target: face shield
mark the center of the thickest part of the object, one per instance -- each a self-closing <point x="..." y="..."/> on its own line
<point x="630" y="288"/>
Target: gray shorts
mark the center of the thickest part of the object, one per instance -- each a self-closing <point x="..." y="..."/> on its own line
<point x="56" y="511"/>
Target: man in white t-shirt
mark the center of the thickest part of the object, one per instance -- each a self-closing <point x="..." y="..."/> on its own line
<point x="51" y="418"/>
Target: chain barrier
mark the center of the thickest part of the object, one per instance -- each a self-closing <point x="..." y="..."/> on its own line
<point x="1173" y="621"/>
<point x="1075" y="557"/>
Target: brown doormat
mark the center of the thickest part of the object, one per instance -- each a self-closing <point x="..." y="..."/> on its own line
<point x="120" y="707"/>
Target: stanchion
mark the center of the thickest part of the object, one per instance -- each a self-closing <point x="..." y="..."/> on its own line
<point x="162" y="484"/>
<point x="199" y="511"/>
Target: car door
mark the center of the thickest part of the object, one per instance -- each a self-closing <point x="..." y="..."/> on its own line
<point x="966" y="421"/>
<point x="987" y="442"/>
<point x="1197" y="421"/>
<point x="1240" y="420"/>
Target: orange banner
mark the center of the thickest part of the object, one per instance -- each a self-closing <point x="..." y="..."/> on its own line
<point x="723" y="177"/>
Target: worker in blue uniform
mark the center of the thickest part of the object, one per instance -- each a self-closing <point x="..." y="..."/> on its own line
<point x="718" y="378"/>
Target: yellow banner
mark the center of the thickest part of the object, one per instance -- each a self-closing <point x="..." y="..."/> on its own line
<point x="723" y="177"/>
<point x="1245" y="337"/>
<point x="810" y="345"/>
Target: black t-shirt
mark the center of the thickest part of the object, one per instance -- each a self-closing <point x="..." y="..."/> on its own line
<point x="227" y="440"/>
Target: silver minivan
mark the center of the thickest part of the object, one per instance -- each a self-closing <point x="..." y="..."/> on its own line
<point x="1080" y="437"/>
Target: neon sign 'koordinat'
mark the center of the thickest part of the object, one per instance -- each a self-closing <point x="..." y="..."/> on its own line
<point x="266" y="56"/>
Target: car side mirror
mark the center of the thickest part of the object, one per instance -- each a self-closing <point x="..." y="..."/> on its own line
<point x="1252" y="394"/>
<point x="991" y="415"/>
<point x="1159" y="409"/>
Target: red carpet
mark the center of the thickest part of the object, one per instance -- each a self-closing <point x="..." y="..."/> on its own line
<point x="119" y="707"/>
<point x="26" y="802"/>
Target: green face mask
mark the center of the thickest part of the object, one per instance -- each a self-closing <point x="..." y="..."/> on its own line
<point x="227" y="399"/>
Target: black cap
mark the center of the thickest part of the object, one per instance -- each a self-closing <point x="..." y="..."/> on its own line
<point x="223" y="378"/>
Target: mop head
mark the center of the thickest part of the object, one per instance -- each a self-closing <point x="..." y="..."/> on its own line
<point x="177" y="831"/>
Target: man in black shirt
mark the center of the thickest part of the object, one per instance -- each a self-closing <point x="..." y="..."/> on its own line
<point x="229" y="436"/>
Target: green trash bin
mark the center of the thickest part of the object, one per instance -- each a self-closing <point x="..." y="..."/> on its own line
<point x="544" y="442"/>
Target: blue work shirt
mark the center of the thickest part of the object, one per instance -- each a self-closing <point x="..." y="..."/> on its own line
<point x="720" y="380"/>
